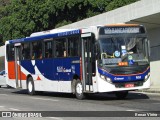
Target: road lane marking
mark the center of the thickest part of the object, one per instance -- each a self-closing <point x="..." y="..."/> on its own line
<point x="45" y="99"/>
<point x="2" y="106"/>
<point x="14" y="109"/>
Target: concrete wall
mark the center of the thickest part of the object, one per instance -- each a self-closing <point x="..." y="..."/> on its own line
<point x="154" y="36"/>
<point x="2" y="66"/>
<point x="2" y="51"/>
<point x="155" y="76"/>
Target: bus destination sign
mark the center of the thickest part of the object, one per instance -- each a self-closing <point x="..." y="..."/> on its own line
<point x="121" y="30"/>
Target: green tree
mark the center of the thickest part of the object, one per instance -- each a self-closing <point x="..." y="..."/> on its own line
<point x="1" y="40"/>
<point x="3" y="13"/>
<point x="20" y="18"/>
<point x="118" y="3"/>
<point x="24" y="17"/>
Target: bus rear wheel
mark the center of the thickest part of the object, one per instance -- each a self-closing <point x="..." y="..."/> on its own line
<point x="79" y="90"/>
<point x="121" y="94"/>
<point x="30" y="86"/>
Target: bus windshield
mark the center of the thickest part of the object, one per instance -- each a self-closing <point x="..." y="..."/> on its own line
<point x="130" y="50"/>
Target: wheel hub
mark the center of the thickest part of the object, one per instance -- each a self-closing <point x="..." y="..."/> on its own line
<point x="79" y="88"/>
<point x="30" y="86"/>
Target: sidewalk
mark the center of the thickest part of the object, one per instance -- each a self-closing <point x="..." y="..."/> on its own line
<point x="151" y="90"/>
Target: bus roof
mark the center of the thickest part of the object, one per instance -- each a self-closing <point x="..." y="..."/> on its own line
<point x="46" y="36"/>
<point x="53" y="31"/>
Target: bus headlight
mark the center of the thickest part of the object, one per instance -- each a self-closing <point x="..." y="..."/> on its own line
<point x="102" y="76"/>
<point x="106" y="78"/>
<point x="146" y="77"/>
<point x="109" y="80"/>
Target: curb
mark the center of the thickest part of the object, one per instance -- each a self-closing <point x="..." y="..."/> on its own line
<point x="150" y="91"/>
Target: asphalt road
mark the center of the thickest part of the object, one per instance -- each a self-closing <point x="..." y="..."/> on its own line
<point x="18" y="100"/>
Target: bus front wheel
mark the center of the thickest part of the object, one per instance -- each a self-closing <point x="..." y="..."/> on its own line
<point x="79" y="90"/>
<point x="121" y="94"/>
<point x="30" y="86"/>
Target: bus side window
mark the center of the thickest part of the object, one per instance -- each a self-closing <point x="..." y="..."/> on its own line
<point x="10" y="52"/>
<point x="73" y="46"/>
<point x="49" y="53"/>
<point x="33" y="54"/>
<point x="37" y="50"/>
<point x="48" y="49"/>
<point x="60" y="45"/>
<point x="25" y="51"/>
<point x="40" y="56"/>
<point x="33" y="57"/>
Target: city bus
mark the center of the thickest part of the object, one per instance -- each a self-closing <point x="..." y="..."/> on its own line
<point x="99" y="59"/>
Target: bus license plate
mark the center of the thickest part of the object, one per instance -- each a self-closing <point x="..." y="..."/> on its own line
<point x="129" y="85"/>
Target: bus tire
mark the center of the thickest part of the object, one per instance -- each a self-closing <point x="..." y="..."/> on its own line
<point x="73" y="85"/>
<point x="30" y="86"/>
<point x="121" y="94"/>
<point x="79" y="90"/>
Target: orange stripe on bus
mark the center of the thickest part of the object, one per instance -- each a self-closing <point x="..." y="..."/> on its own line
<point x="11" y="70"/>
<point x="110" y="25"/>
<point x="12" y="73"/>
<point x="21" y="75"/>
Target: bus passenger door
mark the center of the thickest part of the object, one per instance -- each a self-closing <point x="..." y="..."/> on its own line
<point x="18" y="65"/>
<point x="87" y="60"/>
